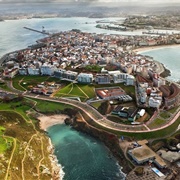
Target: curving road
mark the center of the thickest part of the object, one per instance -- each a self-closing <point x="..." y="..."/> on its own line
<point x="96" y="116"/>
<point x="100" y="119"/>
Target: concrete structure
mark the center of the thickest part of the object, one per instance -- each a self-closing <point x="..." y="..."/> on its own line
<point x="32" y="70"/>
<point x="174" y="98"/>
<point x="102" y="79"/>
<point x="23" y="71"/>
<point x="154" y="102"/>
<point x="47" y="69"/>
<point x="126" y="112"/>
<point x="109" y="93"/>
<point x="143" y="154"/>
<point x="65" y="75"/>
<point x="10" y="73"/>
<point x="85" y="78"/>
<point x="130" y="80"/>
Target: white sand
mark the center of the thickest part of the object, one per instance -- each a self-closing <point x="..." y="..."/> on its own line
<point x="47" y="121"/>
<point x="149" y="48"/>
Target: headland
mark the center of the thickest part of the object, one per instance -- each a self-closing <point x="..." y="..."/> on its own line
<point x="76" y="52"/>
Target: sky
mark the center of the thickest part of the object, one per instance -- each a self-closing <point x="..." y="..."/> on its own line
<point x="124" y="1"/>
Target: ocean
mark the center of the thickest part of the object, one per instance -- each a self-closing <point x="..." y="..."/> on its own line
<point x="170" y="57"/>
<point x="81" y="156"/>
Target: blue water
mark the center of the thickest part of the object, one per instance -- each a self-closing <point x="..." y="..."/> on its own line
<point x="170" y="57"/>
<point x="83" y="157"/>
<point x="13" y="37"/>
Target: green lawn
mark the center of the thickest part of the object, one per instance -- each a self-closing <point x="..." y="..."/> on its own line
<point x="4" y="86"/>
<point x="96" y="104"/>
<point x="84" y="92"/>
<point x="156" y="123"/>
<point x="2" y="129"/>
<point x="27" y="81"/>
<point x="88" y="89"/>
<point x="165" y="115"/>
<point x="50" y="107"/>
<point x="173" y="110"/>
<point x="117" y="119"/>
<point x="3" y="145"/>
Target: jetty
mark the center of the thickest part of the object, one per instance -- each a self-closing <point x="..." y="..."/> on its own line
<point x="42" y="32"/>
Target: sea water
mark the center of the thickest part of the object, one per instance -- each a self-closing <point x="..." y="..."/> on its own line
<point x="83" y="157"/>
<point x="170" y="58"/>
<point x="14" y="37"/>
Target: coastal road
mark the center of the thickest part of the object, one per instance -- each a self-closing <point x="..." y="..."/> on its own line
<point x="96" y="116"/>
<point x="100" y="119"/>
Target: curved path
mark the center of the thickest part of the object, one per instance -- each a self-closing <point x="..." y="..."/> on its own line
<point x="100" y="119"/>
<point x="96" y="116"/>
<point x="10" y="160"/>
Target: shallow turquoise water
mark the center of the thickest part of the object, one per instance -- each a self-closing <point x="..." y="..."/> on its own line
<point x="83" y="157"/>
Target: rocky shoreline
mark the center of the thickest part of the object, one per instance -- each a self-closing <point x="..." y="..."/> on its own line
<point x="45" y="122"/>
<point x="110" y="140"/>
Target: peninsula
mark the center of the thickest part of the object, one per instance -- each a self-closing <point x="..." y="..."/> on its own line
<point x="107" y="89"/>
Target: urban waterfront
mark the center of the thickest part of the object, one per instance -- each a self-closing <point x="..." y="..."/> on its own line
<point x="18" y="38"/>
<point x="14" y="37"/>
<point x="169" y="56"/>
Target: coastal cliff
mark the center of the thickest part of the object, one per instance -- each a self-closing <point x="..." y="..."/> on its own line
<point x="110" y="140"/>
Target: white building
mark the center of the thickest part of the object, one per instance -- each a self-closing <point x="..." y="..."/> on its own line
<point x="119" y="77"/>
<point x="85" y="78"/>
<point x="143" y="97"/>
<point x="130" y="80"/>
<point x="23" y="71"/>
<point x="154" y="102"/>
<point x="32" y="70"/>
<point x="47" y="70"/>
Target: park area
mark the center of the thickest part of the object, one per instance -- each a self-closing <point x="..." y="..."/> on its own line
<point x="82" y="91"/>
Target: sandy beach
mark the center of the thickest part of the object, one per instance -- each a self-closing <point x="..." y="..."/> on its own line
<point x="149" y="48"/>
<point x="160" y="67"/>
<point x="47" y="121"/>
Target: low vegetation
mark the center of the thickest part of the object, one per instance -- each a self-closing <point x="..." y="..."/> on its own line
<point x="23" y="83"/>
<point x="157" y="123"/>
<point x="23" y="149"/>
<point x="84" y="92"/>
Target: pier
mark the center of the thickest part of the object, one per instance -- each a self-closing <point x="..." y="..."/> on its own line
<point x="42" y="32"/>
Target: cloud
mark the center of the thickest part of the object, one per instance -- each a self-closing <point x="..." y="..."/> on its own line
<point x="100" y="1"/>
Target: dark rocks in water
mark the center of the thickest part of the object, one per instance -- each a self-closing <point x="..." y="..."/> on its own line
<point x="76" y="30"/>
<point x="68" y="121"/>
<point x="165" y="73"/>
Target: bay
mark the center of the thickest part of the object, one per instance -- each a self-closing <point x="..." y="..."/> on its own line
<point x="82" y="156"/>
<point x="14" y="37"/>
<point x="170" y="57"/>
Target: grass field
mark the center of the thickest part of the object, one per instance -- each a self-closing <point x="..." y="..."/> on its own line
<point x="96" y="104"/>
<point x="50" y="107"/>
<point x="173" y="110"/>
<point x="157" y="123"/>
<point x="165" y="115"/>
<point x="20" y="140"/>
<point x="84" y="92"/>
<point x="24" y="82"/>
<point x="4" y="86"/>
<point x="136" y="135"/>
